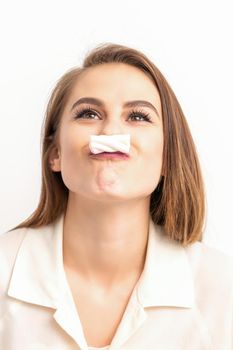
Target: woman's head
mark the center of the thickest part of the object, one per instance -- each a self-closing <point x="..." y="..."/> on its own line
<point x="163" y="165"/>
<point x="100" y="103"/>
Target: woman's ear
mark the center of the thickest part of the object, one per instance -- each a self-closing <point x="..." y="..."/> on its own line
<point x="55" y="159"/>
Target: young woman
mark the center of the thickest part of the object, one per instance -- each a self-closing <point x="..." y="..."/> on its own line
<point x="113" y="258"/>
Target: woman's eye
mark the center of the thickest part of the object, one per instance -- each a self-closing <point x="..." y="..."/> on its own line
<point x="84" y="113"/>
<point x="140" y="116"/>
<point x="88" y="113"/>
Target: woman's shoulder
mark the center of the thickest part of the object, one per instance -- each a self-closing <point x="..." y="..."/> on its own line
<point x="202" y="253"/>
<point x="212" y="270"/>
<point x="213" y="289"/>
<point x="11" y="240"/>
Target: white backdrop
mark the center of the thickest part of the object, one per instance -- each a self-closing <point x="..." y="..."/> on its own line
<point x="189" y="41"/>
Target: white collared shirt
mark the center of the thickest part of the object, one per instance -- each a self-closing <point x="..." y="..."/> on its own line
<point x="182" y="301"/>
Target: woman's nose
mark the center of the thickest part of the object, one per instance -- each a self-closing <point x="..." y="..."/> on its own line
<point x="112" y="126"/>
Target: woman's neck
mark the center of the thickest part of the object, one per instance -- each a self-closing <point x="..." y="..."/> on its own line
<point x="105" y="242"/>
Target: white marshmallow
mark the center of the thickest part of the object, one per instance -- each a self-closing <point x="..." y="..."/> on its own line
<point x="109" y="143"/>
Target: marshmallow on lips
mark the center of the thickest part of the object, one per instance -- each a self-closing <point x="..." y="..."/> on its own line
<point x="109" y="143"/>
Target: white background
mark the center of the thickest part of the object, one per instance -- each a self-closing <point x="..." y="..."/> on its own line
<point x="189" y="41"/>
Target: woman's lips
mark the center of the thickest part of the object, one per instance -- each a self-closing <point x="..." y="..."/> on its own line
<point x="110" y="155"/>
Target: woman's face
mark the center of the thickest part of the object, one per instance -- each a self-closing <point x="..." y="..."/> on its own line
<point x="114" y="84"/>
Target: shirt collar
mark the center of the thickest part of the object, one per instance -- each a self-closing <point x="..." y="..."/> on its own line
<point x="38" y="275"/>
<point x="167" y="278"/>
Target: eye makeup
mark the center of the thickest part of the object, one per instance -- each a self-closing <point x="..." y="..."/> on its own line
<point x="135" y="113"/>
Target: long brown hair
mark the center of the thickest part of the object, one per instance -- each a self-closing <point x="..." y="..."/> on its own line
<point x="178" y="202"/>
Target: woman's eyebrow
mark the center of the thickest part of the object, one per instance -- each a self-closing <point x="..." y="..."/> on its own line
<point x="99" y="103"/>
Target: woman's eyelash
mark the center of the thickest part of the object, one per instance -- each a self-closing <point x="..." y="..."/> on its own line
<point x="84" y="111"/>
<point x="142" y="114"/>
<point x="134" y="113"/>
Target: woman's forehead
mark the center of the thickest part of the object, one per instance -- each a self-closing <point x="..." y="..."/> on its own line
<point x="112" y="73"/>
<point x="115" y="82"/>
